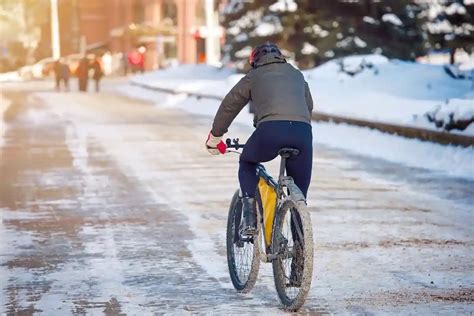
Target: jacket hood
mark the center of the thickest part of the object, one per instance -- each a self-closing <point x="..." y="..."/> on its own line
<point x="269" y="59"/>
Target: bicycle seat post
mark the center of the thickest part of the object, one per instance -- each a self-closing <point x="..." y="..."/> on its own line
<point x="286" y="153"/>
<point x="282" y="167"/>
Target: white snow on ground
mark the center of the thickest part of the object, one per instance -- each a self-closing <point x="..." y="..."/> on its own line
<point x="381" y="90"/>
<point x="137" y="163"/>
<point x="390" y="91"/>
<point x="9" y="76"/>
<point x="454" y="109"/>
<point x="448" y="160"/>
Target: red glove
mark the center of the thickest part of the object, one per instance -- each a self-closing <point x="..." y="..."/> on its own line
<point x="215" y="145"/>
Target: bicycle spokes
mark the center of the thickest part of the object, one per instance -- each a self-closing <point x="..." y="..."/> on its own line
<point x="291" y="252"/>
<point x="242" y="251"/>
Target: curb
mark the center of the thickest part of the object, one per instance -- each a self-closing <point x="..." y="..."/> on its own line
<point x="404" y="131"/>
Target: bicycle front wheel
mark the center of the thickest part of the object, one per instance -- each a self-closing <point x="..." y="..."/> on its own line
<point x="242" y="251"/>
<point x="292" y="242"/>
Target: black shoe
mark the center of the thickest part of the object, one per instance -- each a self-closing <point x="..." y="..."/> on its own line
<point x="249" y="227"/>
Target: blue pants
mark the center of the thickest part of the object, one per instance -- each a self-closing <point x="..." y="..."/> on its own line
<point x="263" y="146"/>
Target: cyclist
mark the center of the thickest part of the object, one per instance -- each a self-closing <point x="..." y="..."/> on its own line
<point x="283" y="106"/>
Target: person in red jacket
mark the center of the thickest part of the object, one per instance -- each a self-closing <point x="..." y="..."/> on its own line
<point x="136" y="59"/>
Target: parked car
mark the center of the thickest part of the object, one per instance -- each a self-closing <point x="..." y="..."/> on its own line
<point x="39" y="70"/>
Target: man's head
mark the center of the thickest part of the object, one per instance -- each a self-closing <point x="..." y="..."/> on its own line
<point x="262" y="50"/>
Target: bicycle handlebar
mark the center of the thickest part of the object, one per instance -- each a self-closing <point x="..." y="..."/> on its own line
<point x="234" y="143"/>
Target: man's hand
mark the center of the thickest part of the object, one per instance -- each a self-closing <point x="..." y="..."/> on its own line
<point x="215" y="145"/>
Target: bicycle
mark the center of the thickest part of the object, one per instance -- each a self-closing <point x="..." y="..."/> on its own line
<point x="283" y="227"/>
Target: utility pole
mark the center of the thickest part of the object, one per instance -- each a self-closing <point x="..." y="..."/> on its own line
<point x="55" y="41"/>
<point x="212" y="34"/>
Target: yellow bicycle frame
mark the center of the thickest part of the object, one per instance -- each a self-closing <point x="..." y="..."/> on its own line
<point x="268" y="197"/>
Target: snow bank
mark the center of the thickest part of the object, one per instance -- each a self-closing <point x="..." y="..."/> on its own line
<point x="189" y="78"/>
<point x="377" y="89"/>
<point x="10" y="76"/>
<point x="455" y="115"/>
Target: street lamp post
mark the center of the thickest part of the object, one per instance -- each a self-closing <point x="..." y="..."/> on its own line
<point x="212" y="34"/>
<point x="55" y="43"/>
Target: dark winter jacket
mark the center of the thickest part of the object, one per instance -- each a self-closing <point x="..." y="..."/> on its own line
<point x="277" y="91"/>
<point x="83" y="69"/>
<point x="65" y="71"/>
<point x="97" y="68"/>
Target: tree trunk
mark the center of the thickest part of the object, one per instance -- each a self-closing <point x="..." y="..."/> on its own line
<point x="452" y="57"/>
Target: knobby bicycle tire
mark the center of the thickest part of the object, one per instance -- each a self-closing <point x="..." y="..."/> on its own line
<point x="282" y="281"/>
<point x="245" y="285"/>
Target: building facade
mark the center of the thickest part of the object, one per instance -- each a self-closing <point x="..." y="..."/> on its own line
<point x="179" y="30"/>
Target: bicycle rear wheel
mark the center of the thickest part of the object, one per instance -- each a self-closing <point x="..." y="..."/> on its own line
<point x="242" y="251"/>
<point x="292" y="241"/>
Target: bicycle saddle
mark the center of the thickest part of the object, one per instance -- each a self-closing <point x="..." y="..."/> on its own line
<point x="288" y="152"/>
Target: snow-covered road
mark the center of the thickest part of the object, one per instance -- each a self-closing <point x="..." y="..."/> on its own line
<point x="110" y="204"/>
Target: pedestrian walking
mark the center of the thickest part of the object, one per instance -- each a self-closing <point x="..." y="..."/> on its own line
<point x="65" y="74"/>
<point x="83" y="73"/>
<point x="136" y="60"/>
<point x="97" y="72"/>
<point x="57" y="73"/>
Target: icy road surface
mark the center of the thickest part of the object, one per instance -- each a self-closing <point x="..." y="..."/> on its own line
<point x="112" y="205"/>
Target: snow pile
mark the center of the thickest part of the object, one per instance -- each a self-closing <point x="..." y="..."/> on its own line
<point x="188" y="78"/>
<point x="374" y="88"/>
<point x="10" y="76"/>
<point x="456" y="114"/>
